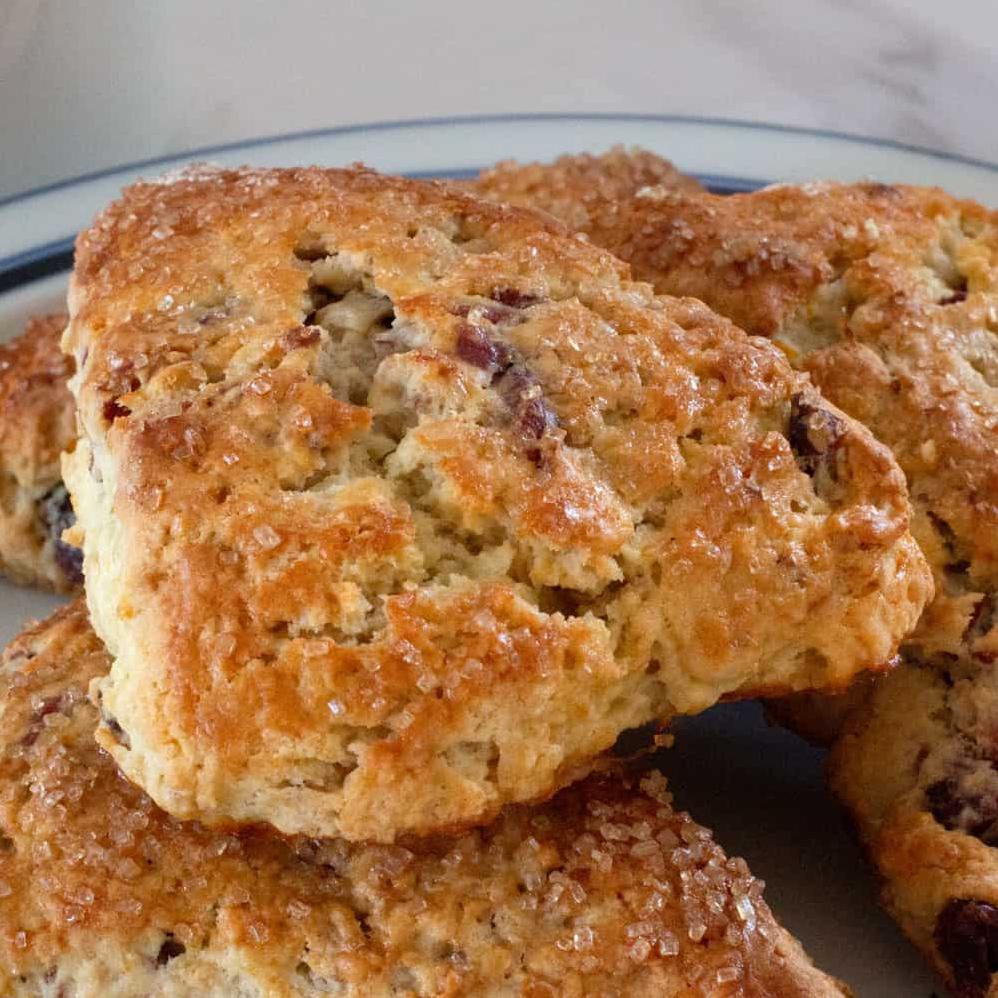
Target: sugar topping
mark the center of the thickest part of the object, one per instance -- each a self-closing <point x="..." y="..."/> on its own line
<point x="607" y="876"/>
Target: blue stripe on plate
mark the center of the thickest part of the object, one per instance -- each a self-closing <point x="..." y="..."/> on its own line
<point x="380" y="126"/>
<point x="36" y="263"/>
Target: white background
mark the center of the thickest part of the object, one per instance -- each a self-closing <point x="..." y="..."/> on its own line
<point x="85" y="85"/>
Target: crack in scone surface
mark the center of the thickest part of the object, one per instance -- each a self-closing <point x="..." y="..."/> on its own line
<point x="440" y="503"/>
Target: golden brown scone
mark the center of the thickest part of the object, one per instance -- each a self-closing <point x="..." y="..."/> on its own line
<point x="917" y="765"/>
<point x="888" y="297"/>
<point x="400" y="505"/>
<point x="568" y="186"/>
<point x="36" y="425"/>
<point x="604" y="890"/>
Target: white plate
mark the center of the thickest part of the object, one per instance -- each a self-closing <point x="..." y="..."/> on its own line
<point x="760" y="788"/>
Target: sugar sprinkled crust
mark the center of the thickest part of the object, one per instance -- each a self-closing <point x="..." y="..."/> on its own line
<point x="36" y="424"/>
<point x="571" y="184"/>
<point x="400" y="505"/>
<point x="604" y="890"/>
<point x="888" y="296"/>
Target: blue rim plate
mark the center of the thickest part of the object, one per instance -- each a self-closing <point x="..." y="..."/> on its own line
<point x="760" y="788"/>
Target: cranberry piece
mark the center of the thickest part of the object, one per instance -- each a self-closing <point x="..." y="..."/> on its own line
<point x="967" y="937"/>
<point x="517" y="387"/>
<point x="514" y="298"/>
<point x="532" y="416"/>
<point x="70" y="562"/>
<point x="476" y="347"/>
<point x="170" y="949"/>
<point x="954" y="299"/>
<point x="56" y="513"/>
<point x="969" y="813"/>
<point x="944" y="803"/>
<point x="113" y="409"/>
<point x="536" y="418"/>
<point x="982" y="620"/>
<point x="814" y="435"/>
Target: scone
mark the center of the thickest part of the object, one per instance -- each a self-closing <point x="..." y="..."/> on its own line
<point x="571" y="184"/>
<point x="888" y="297"/>
<point x="36" y="425"/>
<point x="604" y="890"/>
<point x="400" y="505"/>
<point x="917" y="765"/>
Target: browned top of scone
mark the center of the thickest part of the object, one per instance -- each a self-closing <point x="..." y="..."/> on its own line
<point x="36" y="409"/>
<point x="571" y="184"/>
<point x="604" y="890"/>
<point x="385" y="487"/>
<point x="888" y="296"/>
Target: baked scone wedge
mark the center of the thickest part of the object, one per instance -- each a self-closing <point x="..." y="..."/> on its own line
<point x="400" y="505"/>
<point x="37" y="424"/>
<point x="604" y="890"/>
<point x="887" y="295"/>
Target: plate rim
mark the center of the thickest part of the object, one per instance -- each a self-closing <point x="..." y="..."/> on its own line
<point x="30" y="262"/>
<point x="506" y="117"/>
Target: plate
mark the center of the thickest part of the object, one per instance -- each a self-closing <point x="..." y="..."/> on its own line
<point x="760" y="788"/>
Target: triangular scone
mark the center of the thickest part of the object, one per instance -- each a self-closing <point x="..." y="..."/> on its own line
<point x="887" y="295"/>
<point x="604" y="890"/>
<point x="400" y="505"/>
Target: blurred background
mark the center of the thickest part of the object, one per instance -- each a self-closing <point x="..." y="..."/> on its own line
<point x="87" y="86"/>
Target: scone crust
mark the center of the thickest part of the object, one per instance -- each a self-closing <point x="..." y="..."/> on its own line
<point x="888" y="296"/>
<point x="399" y="505"/>
<point x="915" y="768"/>
<point x="604" y="890"/>
<point x="36" y="425"/>
<point x="578" y="188"/>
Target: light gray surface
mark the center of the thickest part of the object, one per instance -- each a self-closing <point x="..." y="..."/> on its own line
<point x="90" y="85"/>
